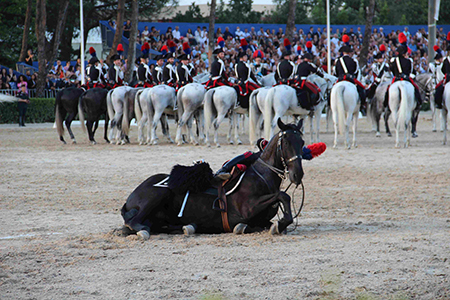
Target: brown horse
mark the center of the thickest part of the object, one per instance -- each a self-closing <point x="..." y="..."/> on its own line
<point x="153" y="207"/>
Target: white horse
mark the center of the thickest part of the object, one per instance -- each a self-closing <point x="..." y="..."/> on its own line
<point x="402" y="104"/>
<point x="268" y="80"/>
<point x="280" y="100"/>
<point x="345" y="108"/>
<point x="256" y="112"/>
<point x="445" y="109"/>
<point x="115" y="101"/>
<point x="190" y="99"/>
<point x="158" y="100"/>
<point x="427" y="84"/>
<point x="323" y="84"/>
<point x="219" y="102"/>
<point x="202" y="77"/>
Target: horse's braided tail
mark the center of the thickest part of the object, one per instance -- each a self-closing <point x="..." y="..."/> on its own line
<point x="109" y="105"/>
<point x="209" y="108"/>
<point x="81" y="113"/>
<point x="341" y="109"/>
<point x="58" y="117"/>
<point x="405" y="112"/>
<point x="137" y="106"/>
<point x="126" y="115"/>
<point x="253" y="115"/>
<point x="268" y="117"/>
<point x="180" y="110"/>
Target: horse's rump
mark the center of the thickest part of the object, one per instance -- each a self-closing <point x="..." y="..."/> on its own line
<point x="195" y="178"/>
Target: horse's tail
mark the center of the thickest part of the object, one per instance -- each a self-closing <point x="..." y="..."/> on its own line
<point x="208" y="107"/>
<point x="137" y="106"/>
<point x="58" y="117"/>
<point x="404" y="112"/>
<point x="180" y="110"/>
<point x="126" y="115"/>
<point x="81" y="113"/>
<point x="268" y="113"/>
<point x="341" y="109"/>
<point x="109" y="105"/>
<point x="253" y="115"/>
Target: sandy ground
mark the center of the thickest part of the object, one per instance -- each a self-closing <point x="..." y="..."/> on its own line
<point x="376" y="224"/>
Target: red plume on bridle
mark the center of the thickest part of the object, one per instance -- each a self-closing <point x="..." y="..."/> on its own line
<point x="313" y="150"/>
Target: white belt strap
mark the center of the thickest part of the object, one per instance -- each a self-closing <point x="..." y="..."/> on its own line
<point x="399" y="66"/>
<point x="343" y="65"/>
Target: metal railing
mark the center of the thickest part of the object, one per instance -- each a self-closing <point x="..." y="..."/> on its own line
<point x="32" y="92"/>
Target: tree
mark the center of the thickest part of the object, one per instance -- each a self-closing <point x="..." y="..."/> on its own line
<point x="132" y="45"/>
<point x="212" y="19"/>
<point x="367" y="32"/>
<point x="119" y="29"/>
<point x="238" y="11"/>
<point x="26" y="31"/>
<point x="290" y="24"/>
<point x="280" y="13"/>
<point x="193" y="14"/>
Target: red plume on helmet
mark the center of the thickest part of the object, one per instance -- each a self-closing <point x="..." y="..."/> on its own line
<point x="172" y="46"/>
<point x="164" y="50"/>
<point x="448" y="36"/>
<point x="220" y="42"/>
<point x="258" y="53"/>
<point x="402" y="38"/>
<point x="92" y="52"/>
<point x="186" y="48"/>
<point x="382" y="48"/>
<point x="287" y="44"/>
<point x="120" y="49"/>
<point x="346" y="39"/>
<point x="309" y="46"/>
<point x="244" y="44"/>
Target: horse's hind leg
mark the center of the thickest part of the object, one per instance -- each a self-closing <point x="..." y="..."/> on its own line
<point x="236" y="128"/>
<point x="165" y="127"/>
<point x="89" y="125"/>
<point x="414" y="119"/>
<point x="355" y="123"/>
<point x="387" y="114"/>
<point x="68" y="121"/>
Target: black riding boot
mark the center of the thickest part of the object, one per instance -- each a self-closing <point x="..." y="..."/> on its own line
<point x="438" y="96"/>
<point x="224" y="172"/>
<point x="362" y="96"/>
<point x="386" y="100"/>
<point x="372" y="90"/>
<point x="418" y="98"/>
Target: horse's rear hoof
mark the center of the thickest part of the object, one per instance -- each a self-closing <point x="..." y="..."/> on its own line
<point x="239" y="142"/>
<point x="74" y="142"/>
<point x="93" y="143"/>
<point x="389" y="134"/>
<point x="239" y="228"/>
<point x="274" y="229"/>
<point x="188" y="230"/>
<point x="434" y="130"/>
<point x="378" y="134"/>
<point x="414" y="135"/>
<point x="143" y="234"/>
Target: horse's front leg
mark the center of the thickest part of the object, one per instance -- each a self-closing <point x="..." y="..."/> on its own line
<point x="281" y="225"/>
<point x="387" y="113"/>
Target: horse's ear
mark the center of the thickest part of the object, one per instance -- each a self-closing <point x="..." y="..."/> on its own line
<point x="281" y="125"/>
<point x="300" y="125"/>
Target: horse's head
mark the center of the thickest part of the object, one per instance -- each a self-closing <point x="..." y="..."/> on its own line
<point x="290" y="149"/>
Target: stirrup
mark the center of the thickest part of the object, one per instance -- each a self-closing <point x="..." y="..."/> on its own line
<point x="223" y="176"/>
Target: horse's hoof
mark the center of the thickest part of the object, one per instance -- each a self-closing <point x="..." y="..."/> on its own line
<point x="141" y="143"/>
<point x="239" y="142"/>
<point x="414" y="135"/>
<point x="389" y="134"/>
<point x="143" y="234"/>
<point x="188" y="230"/>
<point x="112" y="142"/>
<point x="335" y="147"/>
<point x="179" y="143"/>
<point x="123" y="142"/>
<point x="239" y="228"/>
<point x="93" y="143"/>
<point x="218" y="145"/>
<point x="378" y="134"/>
<point x="171" y="141"/>
<point x="64" y="142"/>
<point x="74" y="142"/>
<point x="274" y="229"/>
<point x="434" y="130"/>
<point x="231" y="142"/>
<point x="155" y="143"/>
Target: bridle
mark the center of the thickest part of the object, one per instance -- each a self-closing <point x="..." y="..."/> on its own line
<point x="282" y="173"/>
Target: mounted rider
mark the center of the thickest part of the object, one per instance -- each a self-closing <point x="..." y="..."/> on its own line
<point x="218" y="75"/>
<point x="258" y="68"/>
<point x="187" y="50"/>
<point x="143" y="73"/>
<point x="157" y="72"/>
<point x="403" y="69"/>
<point x="115" y="73"/>
<point x="379" y="67"/>
<point x="446" y="71"/>
<point x="244" y="86"/>
<point x="286" y="68"/>
<point x="169" y="76"/>
<point x="183" y="73"/>
<point x="347" y="68"/>
<point x="307" y="92"/>
<point x="94" y="73"/>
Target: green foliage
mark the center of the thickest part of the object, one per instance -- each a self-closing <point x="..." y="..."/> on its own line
<point x="40" y="110"/>
<point x="193" y="14"/>
<point x="237" y="11"/>
<point x="280" y="14"/>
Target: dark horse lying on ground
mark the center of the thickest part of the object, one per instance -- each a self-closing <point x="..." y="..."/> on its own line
<point x="66" y="103"/>
<point x="153" y="207"/>
<point x="93" y="103"/>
